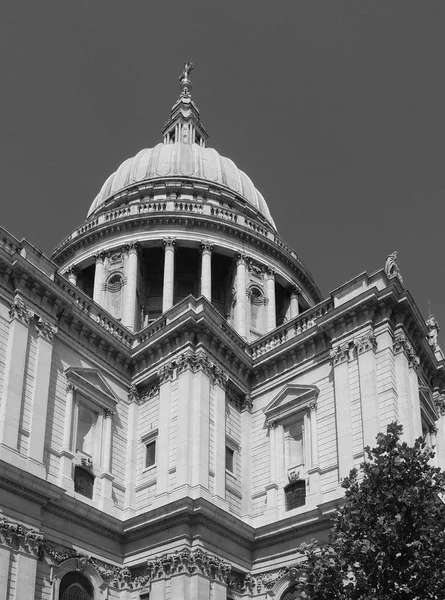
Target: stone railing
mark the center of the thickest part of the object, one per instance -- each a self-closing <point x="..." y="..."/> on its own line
<point x="291" y="329"/>
<point x="94" y="311"/>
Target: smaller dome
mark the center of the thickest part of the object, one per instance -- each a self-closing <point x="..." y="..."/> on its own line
<point x="182" y="160"/>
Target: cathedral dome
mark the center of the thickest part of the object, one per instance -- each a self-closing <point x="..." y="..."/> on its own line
<point x="179" y="160"/>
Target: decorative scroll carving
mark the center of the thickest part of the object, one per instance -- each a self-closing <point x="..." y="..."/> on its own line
<point x="391" y="268"/>
<point x="169" y="244"/>
<point x="46" y="330"/>
<point x="247" y="403"/>
<point x="184" y="561"/>
<point x="206" y="247"/>
<point x="313" y="405"/>
<point x="86" y="462"/>
<point x="256" y="583"/>
<point x="108" y="413"/>
<point x="440" y="403"/>
<point x="100" y="256"/>
<point x="402" y="344"/>
<point x="133" y="394"/>
<point x="19" y="310"/>
<point x="21" y="538"/>
<point x="150" y="391"/>
<point x="366" y="342"/>
<point x="70" y="387"/>
<point x="340" y="354"/>
<point x="295" y="292"/>
<point x="166" y="372"/>
<point x="255" y="267"/>
<point x="271" y="425"/>
<point x="132" y="247"/>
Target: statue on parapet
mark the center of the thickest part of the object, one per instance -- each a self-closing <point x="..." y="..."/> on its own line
<point x="391" y="268"/>
<point x="433" y="331"/>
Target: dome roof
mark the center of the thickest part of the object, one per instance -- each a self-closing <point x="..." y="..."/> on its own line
<point x="182" y="160"/>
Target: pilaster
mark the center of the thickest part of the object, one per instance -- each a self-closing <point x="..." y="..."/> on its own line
<point x="241" y="290"/>
<point x="165" y="382"/>
<point x="246" y="456"/>
<point x="340" y="357"/>
<point x="13" y="382"/>
<point x="66" y="455"/>
<point x="366" y="347"/>
<point x="184" y="451"/>
<point x="132" y="446"/>
<point x="405" y="362"/>
<point x="220" y="385"/>
<point x="45" y="342"/>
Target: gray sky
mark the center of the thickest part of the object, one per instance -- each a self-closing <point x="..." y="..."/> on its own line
<point x="334" y="109"/>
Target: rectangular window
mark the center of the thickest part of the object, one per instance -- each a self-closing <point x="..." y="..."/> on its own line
<point x="295" y="494"/>
<point x="150" y="454"/>
<point x="230" y="459"/>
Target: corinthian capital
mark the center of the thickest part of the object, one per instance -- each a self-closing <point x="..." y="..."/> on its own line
<point x="169" y="243"/>
<point x="19" y="310"/>
<point x="366" y="342"/>
<point x="206" y="247"/>
<point x="46" y="330"/>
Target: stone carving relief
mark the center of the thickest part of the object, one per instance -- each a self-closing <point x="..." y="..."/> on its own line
<point x="391" y="268"/>
<point x="433" y="331"/>
<point x="340" y="354"/>
<point x="366" y="342"/>
<point x="402" y="344"/>
<point x="46" y="329"/>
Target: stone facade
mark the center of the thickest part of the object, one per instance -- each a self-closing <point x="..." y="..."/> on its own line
<point x="178" y="402"/>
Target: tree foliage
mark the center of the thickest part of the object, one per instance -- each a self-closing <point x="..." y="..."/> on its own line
<point x="388" y="538"/>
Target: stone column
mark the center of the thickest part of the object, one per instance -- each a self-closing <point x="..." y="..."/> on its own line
<point x="206" y="270"/>
<point x="13" y="382"/>
<point x="271" y="304"/>
<point x="241" y="288"/>
<point x="72" y="275"/>
<point x="130" y="289"/>
<point x="45" y="340"/>
<point x="99" y="278"/>
<point x="169" y="274"/>
<point x="132" y="448"/>
<point x="340" y="359"/>
<point x="314" y="470"/>
<point x="246" y="456"/>
<point x="366" y="347"/>
<point x="293" y="306"/>
<point x="272" y="486"/>
<point x="220" y="385"/>
<point x="66" y="454"/>
<point x="163" y="457"/>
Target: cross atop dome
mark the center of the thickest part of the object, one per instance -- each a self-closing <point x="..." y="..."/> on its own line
<point x="184" y="125"/>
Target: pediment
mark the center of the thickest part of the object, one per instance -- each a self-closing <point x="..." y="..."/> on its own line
<point x="291" y="399"/>
<point x="92" y="384"/>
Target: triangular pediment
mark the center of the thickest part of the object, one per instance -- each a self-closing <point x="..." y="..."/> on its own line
<point x="92" y="384"/>
<point x="291" y="399"/>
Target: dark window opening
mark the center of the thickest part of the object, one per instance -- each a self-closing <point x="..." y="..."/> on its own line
<point x="295" y="494"/>
<point x="229" y="459"/>
<point x="150" y="454"/>
<point x="85" y="280"/>
<point x="75" y="586"/>
<point x="83" y="482"/>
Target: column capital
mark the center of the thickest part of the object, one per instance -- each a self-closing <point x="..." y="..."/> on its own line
<point x="241" y="259"/>
<point x="20" y="310"/>
<point x="109" y="414"/>
<point x="70" y="387"/>
<point x="206" y="247"/>
<point x="169" y="243"/>
<point x="340" y="354"/>
<point x="247" y="403"/>
<point x="366" y="342"/>
<point x="133" y="394"/>
<point x="100" y="257"/>
<point x="270" y="273"/>
<point x="402" y="344"/>
<point x="72" y="271"/>
<point x="132" y="248"/>
<point x="46" y="330"/>
<point x="295" y="291"/>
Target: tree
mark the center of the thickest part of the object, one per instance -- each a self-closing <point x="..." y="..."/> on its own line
<point x="388" y="538"/>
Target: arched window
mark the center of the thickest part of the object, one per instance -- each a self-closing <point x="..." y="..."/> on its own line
<point x="295" y="494"/>
<point x="75" y="586"/>
<point x="83" y="482"/>
<point x="257" y="313"/>
<point x="291" y="593"/>
<point x="114" y="290"/>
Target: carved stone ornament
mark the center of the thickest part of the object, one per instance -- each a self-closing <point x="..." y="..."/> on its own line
<point x="86" y="462"/>
<point x="46" y="330"/>
<point x="150" y="391"/>
<point x="340" y="354"/>
<point x="247" y="403"/>
<point x="19" y="310"/>
<point x="272" y="425"/>
<point x="165" y="373"/>
<point x="391" y="268"/>
<point x="109" y="414"/>
<point x="402" y="344"/>
<point x="206" y="247"/>
<point x="133" y="394"/>
<point x="366" y="342"/>
<point x="293" y="476"/>
<point x="440" y="403"/>
<point x="132" y="247"/>
<point x="255" y="267"/>
<point x="169" y="244"/>
<point x="21" y="538"/>
<point x="295" y="292"/>
<point x="100" y="256"/>
<point x="181" y="561"/>
<point x="433" y="331"/>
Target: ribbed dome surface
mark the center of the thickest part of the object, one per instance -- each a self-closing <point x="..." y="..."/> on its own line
<point x="182" y="160"/>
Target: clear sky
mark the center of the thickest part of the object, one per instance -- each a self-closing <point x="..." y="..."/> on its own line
<point x="335" y="109"/>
